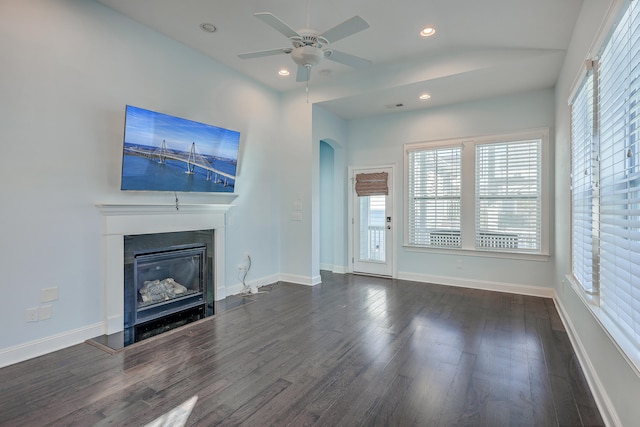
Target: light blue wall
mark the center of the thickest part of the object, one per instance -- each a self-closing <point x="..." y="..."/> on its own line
<point x="332" y="130"/>
<point x="380" y="140"/>
<point x="68" y="70"/>
<point x="327" y="196"/>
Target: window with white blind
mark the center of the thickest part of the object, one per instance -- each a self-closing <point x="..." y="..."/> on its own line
<point x="498" y="207"/>
<point x="509" y="196"/>
<point x="583" y="175"/>
<point x="434" y="196"/>
<point x="606" y="184"/>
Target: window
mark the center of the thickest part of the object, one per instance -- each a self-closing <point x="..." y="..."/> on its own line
<point x="508" y="196"/>
<point x="583" y="175"/>
<point x="606" y="184"/>
<point x="498" y="207"/>
<point x="434" y="194"/>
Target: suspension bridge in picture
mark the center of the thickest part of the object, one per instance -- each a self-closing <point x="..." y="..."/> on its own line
<point x="192" y="159"/>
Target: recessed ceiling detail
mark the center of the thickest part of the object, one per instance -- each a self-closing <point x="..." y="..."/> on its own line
<point x="476" y="53"/>
<point x="427" y="31"/>
<point x="208" y="28"/>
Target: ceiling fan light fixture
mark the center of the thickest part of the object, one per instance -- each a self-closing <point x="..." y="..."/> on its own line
<point x="307" y="56"/>
<point x="427" y="32"/>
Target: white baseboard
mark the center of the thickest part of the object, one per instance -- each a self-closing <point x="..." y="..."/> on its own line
<point x="239" y="288"/>
<point x="536" y="291"/>
<point x="29" y="350"/>
<point x="607" y="411"/>
<point x="339" y="269"/>
<point x="301" y="280"/>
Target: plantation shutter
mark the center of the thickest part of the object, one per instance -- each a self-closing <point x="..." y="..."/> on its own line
<point x="620" y="175"/>
<point x="583" y="175"/>
<point x="434" y="193"/>
<point x="372" y="184"/>
<point x="508" y="196"/>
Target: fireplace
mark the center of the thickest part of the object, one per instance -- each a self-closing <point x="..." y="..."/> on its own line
<point x="167" y="281"/>
<point x="159" y="224"/>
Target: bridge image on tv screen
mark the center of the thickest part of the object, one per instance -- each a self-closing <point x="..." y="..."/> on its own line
<point x="168" y="153"/>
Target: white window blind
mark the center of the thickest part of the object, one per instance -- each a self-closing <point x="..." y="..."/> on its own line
<point x="584" y="254"/>
<point x="434" y="194"/>
<point x="508" y="196"/>
<point x="620" y="175"/>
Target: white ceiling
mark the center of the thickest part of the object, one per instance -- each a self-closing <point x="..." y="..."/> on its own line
<point x="482" y="48"/>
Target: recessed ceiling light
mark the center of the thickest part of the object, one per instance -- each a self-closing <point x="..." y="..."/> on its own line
<point x="208" y="28"/>
<point x="425" y="96"/>
<point x="427" y="31"/>
<point x="283" y="72"/>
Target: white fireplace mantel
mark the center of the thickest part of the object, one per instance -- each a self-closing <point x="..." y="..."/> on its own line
<point x="126" y="219"/>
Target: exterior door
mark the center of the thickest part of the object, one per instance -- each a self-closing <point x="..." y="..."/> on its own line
<point x="373" y="227"/>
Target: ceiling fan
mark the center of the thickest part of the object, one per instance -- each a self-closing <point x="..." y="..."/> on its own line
<point x="310" y="46"/>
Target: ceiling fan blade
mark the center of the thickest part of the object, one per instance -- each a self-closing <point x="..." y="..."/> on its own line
<point x="275" y="23"/>
<point x="348" y="27"/>
<point x="346" y="59"/>
<point x="303" y="74"/>
<point x="261" y="53"/>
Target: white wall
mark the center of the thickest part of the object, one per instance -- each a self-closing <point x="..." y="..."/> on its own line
<point x="68" y="70"/>
<point x="379" y="140"/>
<point x="615" y="384"/>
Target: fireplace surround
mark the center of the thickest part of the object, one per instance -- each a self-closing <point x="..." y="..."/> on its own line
<point x="122" y="220"/>
<point x="167" y="281"/>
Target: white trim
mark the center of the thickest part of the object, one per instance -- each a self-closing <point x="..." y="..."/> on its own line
<point x="601" y="36"/>
<point x="351" y="215"/>
<point x="160" y="208"/>
<point x="467" y="220"/>
<point x="301" y="280"/>
<point x="606" y="408"/>
<point x="627" y="350"/>
<point x="238" y="288"/>
<point x="126" y="219"/>
<point x="39" y="347"/>
<point x="479" y="253"/>
<point x="339" y="269"/>
<point x="531" y="290"/>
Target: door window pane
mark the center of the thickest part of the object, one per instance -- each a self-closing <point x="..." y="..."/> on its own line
<point x="372" y="228"/>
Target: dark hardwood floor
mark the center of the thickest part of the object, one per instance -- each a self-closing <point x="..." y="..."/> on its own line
<point x="352" y="351"/>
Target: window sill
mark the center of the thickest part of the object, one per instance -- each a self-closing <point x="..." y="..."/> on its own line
<point x="627" y="349"/>
<point x="485" y="254"/>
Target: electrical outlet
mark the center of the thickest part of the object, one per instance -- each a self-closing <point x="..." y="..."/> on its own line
<point x="459" y="263"/>
<point x="31" y="314"/>
<point x="45" y="312"/>
<point x="49" y="294"/>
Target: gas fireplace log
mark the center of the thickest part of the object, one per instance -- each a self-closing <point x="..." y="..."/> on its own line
<point x="161" y="290"/>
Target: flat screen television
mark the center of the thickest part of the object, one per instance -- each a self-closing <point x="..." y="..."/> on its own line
<point x="167" y="153"/>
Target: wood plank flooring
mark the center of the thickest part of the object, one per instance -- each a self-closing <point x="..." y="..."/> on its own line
<point x="352" y="351"/>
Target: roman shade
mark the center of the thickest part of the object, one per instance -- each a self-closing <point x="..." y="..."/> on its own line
<point x="372" y="184"/>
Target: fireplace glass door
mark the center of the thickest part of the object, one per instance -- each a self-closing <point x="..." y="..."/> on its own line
<point x="168" y="281"/>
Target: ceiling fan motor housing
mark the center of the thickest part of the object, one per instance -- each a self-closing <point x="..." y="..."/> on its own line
<point x="307" y="56"/>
